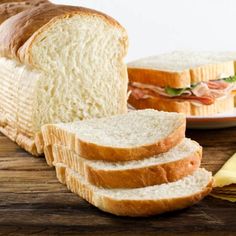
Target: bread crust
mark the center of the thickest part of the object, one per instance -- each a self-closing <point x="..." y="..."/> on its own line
<point x="182" y="106"/>
<point x="19" y="32"/>
<point x="134" y="208"/>
<point x="54" y="135"/>
<point x="12" y="7"/>
<point x="129" y="178"/>
<point x="180" y="79"/>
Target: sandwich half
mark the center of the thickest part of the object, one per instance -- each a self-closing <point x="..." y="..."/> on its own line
<point x="193" y="83"/>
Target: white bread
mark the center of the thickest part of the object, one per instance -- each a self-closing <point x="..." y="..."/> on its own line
<point x="178" y="162"/>
<point x="145" y="201"/>
<point x="132" y="136"/>
<point x="50" y="70"/>
<point x="180" y="69"/>
<point x="183" y="106"/>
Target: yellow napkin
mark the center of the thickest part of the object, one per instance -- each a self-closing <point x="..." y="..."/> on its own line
<point x="225" y="181"/>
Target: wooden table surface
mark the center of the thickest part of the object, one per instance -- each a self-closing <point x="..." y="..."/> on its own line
<point x="32" y="201"/>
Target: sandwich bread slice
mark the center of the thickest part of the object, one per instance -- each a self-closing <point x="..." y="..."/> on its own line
<point x="144" y="201"/>
<point x="194" y="83"/>
<point x="131" y="136"/>
<point x="178" y="162"/>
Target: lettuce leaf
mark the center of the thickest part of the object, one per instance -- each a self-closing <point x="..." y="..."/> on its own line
<point x="231" y="79"/>
<point x="175" y="92"/>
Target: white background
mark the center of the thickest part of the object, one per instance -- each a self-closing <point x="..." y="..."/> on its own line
<point x="156" y="26"/>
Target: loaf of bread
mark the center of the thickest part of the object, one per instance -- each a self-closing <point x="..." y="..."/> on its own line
<point x="59" y="64"/>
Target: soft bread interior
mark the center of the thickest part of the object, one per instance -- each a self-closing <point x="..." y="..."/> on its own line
<point x="137" y="128"/>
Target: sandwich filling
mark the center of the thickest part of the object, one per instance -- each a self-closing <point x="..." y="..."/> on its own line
<point x="205" y="93"/>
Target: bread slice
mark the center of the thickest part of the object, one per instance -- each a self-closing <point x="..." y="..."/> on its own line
<point x="50" y="70"/>
<point x="183" y="106"/>
<point x="180" y="69"/>
<point x="132" y="136"/>
<point x="145" y="201"/>
<point x="178" y="162"/>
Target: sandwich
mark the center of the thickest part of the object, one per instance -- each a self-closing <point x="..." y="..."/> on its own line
<point x="193" y="83"/>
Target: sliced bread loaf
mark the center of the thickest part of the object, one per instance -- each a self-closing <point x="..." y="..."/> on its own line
<point x="140" y="201"/>
<point x="132" y="136"/>
<point x="178" y="162"/>
<point x="59" y="63"/>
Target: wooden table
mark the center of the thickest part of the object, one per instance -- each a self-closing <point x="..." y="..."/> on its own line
<point x="33" y="202"/>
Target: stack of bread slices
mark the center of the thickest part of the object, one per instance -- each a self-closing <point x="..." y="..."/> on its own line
<point x="136" y="164"/>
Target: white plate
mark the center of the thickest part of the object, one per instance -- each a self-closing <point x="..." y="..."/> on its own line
<point x="221" y="120"/>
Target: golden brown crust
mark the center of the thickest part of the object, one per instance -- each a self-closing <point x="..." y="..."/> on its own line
<point x="55" y="135"/>
<point x="138" y="208"/>
<point x="12" y="7"/>
<point x="10" y="1"/>
<point x="186" y="107"/>
<point x="134" y="208"/>
<point x="17" y="30"/>
<point x="144" y="176"/>
<point x="181" y="79"/>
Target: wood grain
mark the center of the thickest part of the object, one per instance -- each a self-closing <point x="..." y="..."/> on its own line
<point x="33" y="202"/>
